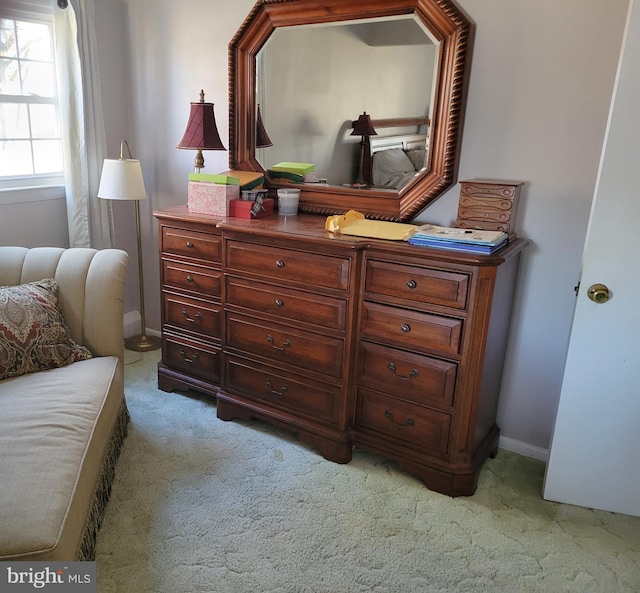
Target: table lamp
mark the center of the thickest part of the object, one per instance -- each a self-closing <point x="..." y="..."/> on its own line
<point x="201" y="133"/>
<point x="364" y="128"/>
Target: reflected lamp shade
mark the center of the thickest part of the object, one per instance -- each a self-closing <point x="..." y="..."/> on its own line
<point x="363" y="126"/>
<point x="122" y="180"/>
<point x="201" y="132"/>
<point x="262" y="138"/>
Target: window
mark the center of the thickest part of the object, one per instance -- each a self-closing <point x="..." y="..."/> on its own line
<point x="30" y="134"/>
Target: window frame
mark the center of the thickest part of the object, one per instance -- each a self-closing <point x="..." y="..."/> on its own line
<point x="28" y="188"/>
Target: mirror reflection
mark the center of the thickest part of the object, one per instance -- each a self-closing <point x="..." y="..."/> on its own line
<point x="314" y="81"/>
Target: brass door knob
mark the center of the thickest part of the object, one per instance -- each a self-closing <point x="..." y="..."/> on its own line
<point x="598" y="293"/>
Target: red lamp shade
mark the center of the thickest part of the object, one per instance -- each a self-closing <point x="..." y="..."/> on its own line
<point x="363" y="126"/>
<point x="201" y="132"/>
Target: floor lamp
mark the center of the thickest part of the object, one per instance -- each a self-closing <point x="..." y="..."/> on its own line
<point x="122" y="180"/>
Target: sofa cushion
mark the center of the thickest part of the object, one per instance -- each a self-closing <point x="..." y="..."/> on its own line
<point x="33" y="333"/>
<point x="55" y="428"/>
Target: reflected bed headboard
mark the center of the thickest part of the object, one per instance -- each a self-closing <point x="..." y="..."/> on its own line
<point x="396" y="159"/>
<point x="404" y="142"/>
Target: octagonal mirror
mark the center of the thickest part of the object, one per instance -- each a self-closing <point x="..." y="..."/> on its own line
<point x="309" y="69"/>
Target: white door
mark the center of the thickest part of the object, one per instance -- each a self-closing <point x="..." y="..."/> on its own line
<point x="594" y="458"/>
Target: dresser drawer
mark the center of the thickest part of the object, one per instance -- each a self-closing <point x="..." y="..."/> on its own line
<point x="410" y="329"/>
<point x="484" y="223"/>
<point x="308" y="269"/>
<point x="286" y="303"/>
<point x="479" y="203"/>
<point x="489" y="209"/>
<point x="192" y="315"/>
<point x="401" y="420"/>
<point x="418" y="378"/>
<point x="292" y="393"/>
<point x="192" y="244"/>
<point x="426" y="285"/>
<point x="487" y="189"/>
<point x="305" y="350"/>
<point x="194" y="357"/>
<point x="193" y="278"/>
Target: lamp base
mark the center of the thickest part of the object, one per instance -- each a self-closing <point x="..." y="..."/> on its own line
<point x="142" y="343"/>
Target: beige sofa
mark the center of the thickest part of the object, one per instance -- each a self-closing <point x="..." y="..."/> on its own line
<point x="61" y="429"/>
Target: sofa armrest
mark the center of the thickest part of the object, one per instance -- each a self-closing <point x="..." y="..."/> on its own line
<point x="102" y="315"/>
<point x="91" y="289"/>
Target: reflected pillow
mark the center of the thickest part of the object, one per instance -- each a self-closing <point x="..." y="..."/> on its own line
<point x="417" y="157"/>
<point x="388" y="163"/>
<point x="33" y="333"/>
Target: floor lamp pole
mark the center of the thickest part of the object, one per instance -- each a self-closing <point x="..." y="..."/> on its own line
<point x="141" y="342"/>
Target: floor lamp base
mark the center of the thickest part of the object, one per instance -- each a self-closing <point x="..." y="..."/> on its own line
<point x="142" y="343"/>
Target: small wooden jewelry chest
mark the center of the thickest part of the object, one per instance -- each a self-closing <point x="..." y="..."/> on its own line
<point x="488" y="204"/>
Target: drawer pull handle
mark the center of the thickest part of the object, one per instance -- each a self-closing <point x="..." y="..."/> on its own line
<point x="284" y="389"/>
<point x="190" y="278"/>
<point x="413" y="373"/>
<point x="193" y="319"/>
<point x="279" y="263"/>
<point x="405" y="328"/>
<point x="285" y="344"/>
<point x="189" y="244"/>
<point x="279" y="303"/>
<point x="186" y="358"/>
<point x="389" y="416"/>
<point x="411" y="284"/>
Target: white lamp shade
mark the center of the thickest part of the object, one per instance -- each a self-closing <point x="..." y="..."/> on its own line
<point x="122" y="180"/>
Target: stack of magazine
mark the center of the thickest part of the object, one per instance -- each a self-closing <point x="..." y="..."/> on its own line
<point x="468" y="240"/>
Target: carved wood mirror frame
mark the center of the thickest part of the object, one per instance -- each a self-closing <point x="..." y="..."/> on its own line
<point x="445" y="23"/>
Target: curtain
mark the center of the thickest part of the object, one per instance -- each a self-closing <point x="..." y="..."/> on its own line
<point x="90" y="220"/>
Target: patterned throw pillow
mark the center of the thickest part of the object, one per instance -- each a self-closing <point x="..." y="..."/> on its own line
<point x="33" y="333"/>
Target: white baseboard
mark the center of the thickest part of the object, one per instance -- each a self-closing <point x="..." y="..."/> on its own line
<point x="524" y="448"/>
<point x="131" y="325"/>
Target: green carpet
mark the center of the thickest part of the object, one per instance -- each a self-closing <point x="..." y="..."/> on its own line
<point x="201" y="505"/>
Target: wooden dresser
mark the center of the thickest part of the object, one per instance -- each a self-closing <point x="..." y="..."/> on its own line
<point x="346" y="341"/>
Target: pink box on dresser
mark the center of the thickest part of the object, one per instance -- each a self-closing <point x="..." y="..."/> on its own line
<point x="211" y="198"/>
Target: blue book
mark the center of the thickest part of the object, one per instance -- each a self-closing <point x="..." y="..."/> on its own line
<point x="456" y="245"/>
